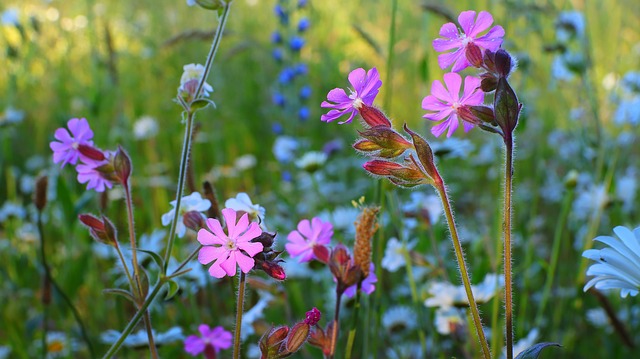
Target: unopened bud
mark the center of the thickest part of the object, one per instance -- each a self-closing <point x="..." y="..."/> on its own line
<point x="571" y="179"/>
<point x="474" y="55"/>
<point x="373" y="117"/>
<point x="91" y="153"/>
<point x="273" y="269"/>
<point x="40" y="196"/>
<point x="483" y="113"/>
<point x="266" y="239"/>
<point x="424" y="152"/>
<point x="313" y="316"/>
<point x="102" y="231"/>
<point x="506" y="107"/>
<point x="489" y="82"/>
<point x="489" y="60"/>
<point x="387" y="142"/>
<point x="321" y="253"/>
<point x="122" y="165"/>
<point x="194" y="220"/>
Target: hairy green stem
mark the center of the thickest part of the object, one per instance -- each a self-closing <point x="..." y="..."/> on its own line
<point x="462" y="266"/>
<point x="508" y="290"/>
<point x="336" y="326"/>
<point x="239" y="310"/>
<point x="139" y="294"/>
<point x="132" y="284"/>
<point x="186" y="147"/>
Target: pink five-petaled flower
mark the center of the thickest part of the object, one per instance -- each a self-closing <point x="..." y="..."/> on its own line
<point x="365" y="89"/>
<point x="211" y="339"/>
<point x="227" y="250"/>
<point x="66" y="151"/>
<point x="89" y="173"/>
<point x="453" y="39"/>
<point x="308" y="235"/>
<point x="447" y="104"/>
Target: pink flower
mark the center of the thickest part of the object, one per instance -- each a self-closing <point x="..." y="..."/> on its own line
<point x="227" y="250"/>
<point x="367" y="286"/>
<point x="308" y="235"/>
<point x="365" y="89"/>
<point x="453" y="39"/>
<point x="88" y="173"/>
<point x="66" y="151"/>
<point x="447" y="104"/>
<point x="216" y="339"/>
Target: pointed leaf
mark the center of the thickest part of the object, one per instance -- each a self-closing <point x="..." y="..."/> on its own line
<point x="121" y="292"/>
<point x="173" y="289"/>
<point x="155" y="256"/>
<point x="201" y="103"/>
<point x="534" y="351"/>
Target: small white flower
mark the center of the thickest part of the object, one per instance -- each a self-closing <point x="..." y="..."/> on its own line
<point x="192" y="202"/>
<point x="245" y="162"/>
<point x="194" y="72"/>
<point x="312" y="161"/>
<point x="631" y="82"/>
<point x="141" y="339"/>
<point x="191" y="2"/>
<point x="445" y="295"/>
<point x="598" y="318"/>
<point x="145" y="127"/>
<point x="242" y="202"/>
<point x="12" y="209"/>
<point x="284" y="148"/>
<point x="399" y="318"/>
<point x="618" y="265"/>
<point x="590" y="201"/>
<point x="60" y="345"/>
<point x="394" y="254"/>
<point x="628" y="111"/>
<point x="448" y="319"/>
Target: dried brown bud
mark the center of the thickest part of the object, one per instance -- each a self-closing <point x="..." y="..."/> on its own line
<point x="366" y="227"/>
<point x="40" y="196"/>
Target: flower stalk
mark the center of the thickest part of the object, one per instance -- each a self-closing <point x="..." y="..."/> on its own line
<point x="239" y="310"/>
<point x="508" y="290"/>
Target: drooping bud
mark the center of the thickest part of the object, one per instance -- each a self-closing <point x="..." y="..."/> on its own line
<point x="91" y="152"/>
<point x="407" y="175"/>
<point x="488" y="82"/>
<point x="373" y="117"/>
<point x="474" y="55"/>
<point x="122" y="165"/>
<point x="194" y="220"/>
<point x="313" y="316"/>
<point x="465" y="113"/>
<point x="40" y="195"/>
<point x="503" y="63"/>
<point x="321" y="253"/>
<point x="273" y="269"/>
<point x="272" y="340"/>
<point x="102" y="231"/>
<point x="384" y="141"/>
<point x="267" y="239"/>
<point x="424" y="152"/>
<point x="366" y="227"/>
<point x="297" y="337"/>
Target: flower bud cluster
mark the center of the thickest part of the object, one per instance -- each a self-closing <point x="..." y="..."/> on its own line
<point x="283" y="341"/>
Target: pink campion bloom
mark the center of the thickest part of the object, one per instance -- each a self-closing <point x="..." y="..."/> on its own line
<point x="365" y="89"/>
<point x="226" y="250"/>
<point x="88" y="173"/>
<point x="309" y="234"/>
<point x="210" y="339"/>
<point x="367" y="285"/>
<point x="472" y="27"/>
<point x="66" y="150"/>
<point x="447" y="104"/>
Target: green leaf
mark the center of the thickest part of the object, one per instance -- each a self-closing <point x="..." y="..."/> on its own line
<point x="534" y="351"/>
<point x="120" y="292"/>
<point x="155" y="256"/>
<point x="201" y="103"/>
<point x="173" y="289"/>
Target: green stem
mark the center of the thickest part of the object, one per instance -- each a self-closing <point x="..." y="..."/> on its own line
<point x="508" y="183"/>
<point x="239" y="309"/>
<point x="136" y="270"/>
<point x="555" y="254"/>
<point x="125" y="266"/>
<point x="462" y="266"/>
<point x="186" y="147"/>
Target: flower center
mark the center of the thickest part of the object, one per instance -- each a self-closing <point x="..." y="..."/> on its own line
<point x="230" y="245"/>
<point x="75" y="145"/>
<point x="466" y="40"/>
<point x="55" y="347"/>
<point x="455" y="106"/>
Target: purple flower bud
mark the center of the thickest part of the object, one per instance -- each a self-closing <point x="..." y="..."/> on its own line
<point x="313" y="316"/>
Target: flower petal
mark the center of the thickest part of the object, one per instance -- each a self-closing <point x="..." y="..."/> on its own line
<point x="357" y="79"/>
<point x="245" y="263"/>
<point x="491" y="40"/>
<point x="445" y="60"/>
<point x="230" y="220"/>
<point x="453" y="82"/>
<point x="208" y="254"/>
<point x="466" y="20"/>
<point x="482" y="23"/>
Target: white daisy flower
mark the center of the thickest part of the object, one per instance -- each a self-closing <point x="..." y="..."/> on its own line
<point x="394" y="254"/>
<point x="145" y="127"/>
<point x="192" y="202"/>
<point x="618" y="265"/>
<point x="447" y="320"/>
<point x="311" y="161"/>
<point x="399" y="319"/>
<point x="242" y="202"/>
<point x="445" y="294"/>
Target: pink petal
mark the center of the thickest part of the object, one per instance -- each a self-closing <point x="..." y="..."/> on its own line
<point x="337" y="106"/>
<point x="63" y="136"/>
<point x="295" y="237"/>
<point x="453" y="81"/>
<point x="437" y="116"/>
<point x="216" y="271"/>
<point x="431" y="103"/>
<point x="207" y="238"/>
<point x="251" y="248"/>
<point x="466" y="19"/>
<point x="441" y="45"/>
<point x="215" y="226"/>
<point x="193" y="345"/>
<point x="439" y="129"/>
<point x="229" y="265"/>
<point x="467" y="126"/>
<point x="483" y="22"/>
<point x="449" y="31"/>
<point x="230" y="220"/>
<point x="295" y="249"/>
<point x="245" y="263"/>
<point x="439" y="92"/>
<point x="474" y="99"/>
<point x="241" y="227"/>
<point x="492" y="40"/>
<point x="348" y="120"/>
<point x="471" y="85"/>
<point x="461" y="63"/>
<point x="332" y="115"/>
<point x="445" y="60"/>
<point x="209" y="253"/>
<point x="251" y="233"/>
<point x="357" y="79"/>
<point x="338" y="96"/>
<point x="304" y="227"/>
<point x="205" y="330"/>
<point x="371" y="86"/>
<point x="453" y="124"/>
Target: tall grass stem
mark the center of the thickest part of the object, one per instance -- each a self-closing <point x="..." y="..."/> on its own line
<point x="508" y="290"/>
